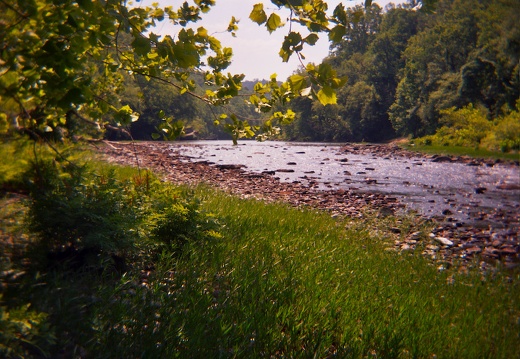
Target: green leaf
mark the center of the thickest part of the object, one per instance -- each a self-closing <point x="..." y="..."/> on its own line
<point x="337" y="33"/>
<point x="73" y="96"/>
<point x="185" y="54"/>
<point x="291" y="43"/>
<point x="311" y="39"/>
<point x="327" y="96"/>
<point x="141" y="45"/>
<point x="297" y="82"/>
<point x="274" y="22"/>
<point x="125" y="115"/>
<point x="340" y="14"/>
<point x="338" y="82"/>
<point x="258" y="14"/>
<point x="368" y="3"/>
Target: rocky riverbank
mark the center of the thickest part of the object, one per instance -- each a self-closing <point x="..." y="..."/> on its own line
<point x="449" y="241"/>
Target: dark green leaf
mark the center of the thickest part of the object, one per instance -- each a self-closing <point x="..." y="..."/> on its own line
<point x="311" y="39"/>
<point x="141" y="46"/>
<point x="337" y="33"/>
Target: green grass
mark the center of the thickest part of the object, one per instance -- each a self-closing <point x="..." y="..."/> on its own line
<point x="462" y="151"/>
<point x="303" y="285"/>
<point x="288" y="283"/>
<point x="278" y="283"/>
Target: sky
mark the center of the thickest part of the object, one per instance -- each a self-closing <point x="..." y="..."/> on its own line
<point x="255" y="51"/>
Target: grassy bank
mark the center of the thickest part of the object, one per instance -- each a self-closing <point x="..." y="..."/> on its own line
<point x="273" y="282"/>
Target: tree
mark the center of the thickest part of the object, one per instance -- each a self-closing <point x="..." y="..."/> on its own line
<point x="362" y="27"/>
<point x="491" y="76"/>
<point x="370" y="56"/>
<point x="361" y="109"/>
<point x="466" y="54"/>
<point x="64" y="61"/>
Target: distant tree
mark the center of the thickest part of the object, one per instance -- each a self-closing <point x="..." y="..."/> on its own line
<point x="370" y="56"/>
<point x="491" y="74"/>
<point x="362" y="26"/>
<point x="468" y="53"/>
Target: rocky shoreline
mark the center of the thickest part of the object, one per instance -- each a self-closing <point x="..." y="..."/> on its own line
<point x="449" y="242"/>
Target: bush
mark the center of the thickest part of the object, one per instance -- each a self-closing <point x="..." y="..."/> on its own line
<point x="24" y="333"/>
<point x="72" y="209"/>
<point x="469" y="127"/>
<point x="176" y="219"/>
<point x="81" y="217"/>
<point x="506" y="133"/>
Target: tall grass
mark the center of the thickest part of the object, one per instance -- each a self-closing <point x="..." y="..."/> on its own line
<point x="299" y="284"/>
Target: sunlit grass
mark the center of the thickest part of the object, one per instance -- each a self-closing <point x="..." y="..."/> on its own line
<point x="301" y="283"/>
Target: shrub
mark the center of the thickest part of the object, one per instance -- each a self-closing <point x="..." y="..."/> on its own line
<point x="74" y="211"/>
<point x="81" y="217"/>
<point x="24" y="333"/>
<point x="466" y="126"/>
<point x="176" y="219"/>
<point x="469" y="127"/>
<point x="507" y="131"/>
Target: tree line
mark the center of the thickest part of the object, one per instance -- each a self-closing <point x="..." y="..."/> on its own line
<point x="95" y="68"/>
<point x="405" y="67"/>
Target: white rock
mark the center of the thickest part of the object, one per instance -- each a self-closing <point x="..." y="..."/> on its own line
<point x="444" y="241"/>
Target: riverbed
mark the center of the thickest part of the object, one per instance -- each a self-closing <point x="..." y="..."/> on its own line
<point x="464" y="192"/>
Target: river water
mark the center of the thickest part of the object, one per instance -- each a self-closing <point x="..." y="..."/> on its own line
<point x="432" y="189"/>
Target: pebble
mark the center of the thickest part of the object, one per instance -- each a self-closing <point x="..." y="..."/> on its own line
<point x="444" y="241"/>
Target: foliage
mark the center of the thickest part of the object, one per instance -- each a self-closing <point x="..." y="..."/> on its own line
<point x="11" y="172"/>
<point x="75" y="210"/>
<point x="405" y="67"/>
<point x="85" y="216"/>
<point x="65" y="63"/>
<point x="177" y="220"/>
<point x="369" y="55"/>
<point x="506" y="136"/>
<point x="470" y="127"/>
<point x="467" y="53"/>
<point x="24" y="333"/>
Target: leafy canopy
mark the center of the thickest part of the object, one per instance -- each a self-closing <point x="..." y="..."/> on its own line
<point x="65" y="61"/>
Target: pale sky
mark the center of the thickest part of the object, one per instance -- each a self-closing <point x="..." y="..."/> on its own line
<point x="255" y="51"/>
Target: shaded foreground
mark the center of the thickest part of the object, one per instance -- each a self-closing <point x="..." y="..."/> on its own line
<point x="448" y="241"/>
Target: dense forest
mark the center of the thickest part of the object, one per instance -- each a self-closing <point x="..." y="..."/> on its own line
<point x="405" y="69"/>
<point x="445" y="69"/>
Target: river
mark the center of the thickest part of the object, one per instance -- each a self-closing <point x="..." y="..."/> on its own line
<point x="433" y="189"/>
